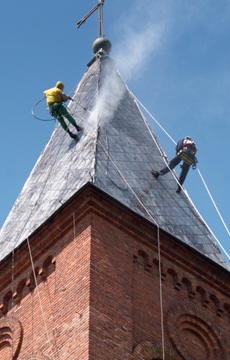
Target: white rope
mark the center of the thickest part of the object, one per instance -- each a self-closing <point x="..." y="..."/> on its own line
<point x="161" y="295"/>
<point x="41" y="192"/>
<point x="39" y="297"/>
<point x="164" y="156"/>
<point x="223" y="222"/>
<point x="154" y="119"/>
<point x="75" y="272"/>
<point x="158" y="242"/>
<point x="124" y="179"/>
<point x="12" y="301"/>
<point x="213" y="202"/>
<point x="221" y="246"/>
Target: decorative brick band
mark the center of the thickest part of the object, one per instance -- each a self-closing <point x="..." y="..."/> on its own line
<point x="9" y="299"/>
<point x="182" y="282"/>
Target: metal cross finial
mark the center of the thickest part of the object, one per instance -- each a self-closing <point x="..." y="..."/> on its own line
<point x="100" y="16"/>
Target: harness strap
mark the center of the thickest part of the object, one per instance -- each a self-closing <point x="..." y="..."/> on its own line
<point x="186" y="157"/>
<point x="54" y="107"/>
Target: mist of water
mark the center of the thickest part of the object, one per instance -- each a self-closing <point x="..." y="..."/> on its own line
<point x="136" y="47"/>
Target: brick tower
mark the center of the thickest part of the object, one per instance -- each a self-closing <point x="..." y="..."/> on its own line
<point x="101" y="261"/>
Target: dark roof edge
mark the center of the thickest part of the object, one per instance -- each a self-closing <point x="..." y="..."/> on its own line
<point x="90" y="185"/>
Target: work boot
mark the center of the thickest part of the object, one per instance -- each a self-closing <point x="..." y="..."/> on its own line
<point x="155" y="174"/>
<point x="79" y="128"/>
<point x="73" y="136"/>
<point x="178" y="190"/>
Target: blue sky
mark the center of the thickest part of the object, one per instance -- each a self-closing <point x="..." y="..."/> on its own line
<point x="174" y="56"/>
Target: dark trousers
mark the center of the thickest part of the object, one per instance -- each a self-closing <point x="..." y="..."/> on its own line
<point x="172" y="164"/>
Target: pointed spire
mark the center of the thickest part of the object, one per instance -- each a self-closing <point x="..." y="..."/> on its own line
<point x="115" y="155"/>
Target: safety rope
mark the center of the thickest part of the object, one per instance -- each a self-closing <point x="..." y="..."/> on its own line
<point x="47" y="177"/>
<point x="160" y="126"/>
<point x="161" y="294"/>
<point x="12" y="300"/>
<point x="158" y="241"/>
<point x="30" y="249"/>
<point x="221" y="246"/>
<point x="18" y="235"/>
<point x="75" y="274"/>
<point x="164" y="157"/>
<point x="39" y="298"/>
<point x="214" y="202"/>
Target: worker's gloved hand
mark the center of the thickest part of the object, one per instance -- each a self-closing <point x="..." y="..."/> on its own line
<point x="69" y="97"/>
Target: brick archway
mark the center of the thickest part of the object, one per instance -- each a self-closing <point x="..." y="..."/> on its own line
<point x="186" y="326"/>
<point x="150" y="351"/>
<point x="11" y="336"/>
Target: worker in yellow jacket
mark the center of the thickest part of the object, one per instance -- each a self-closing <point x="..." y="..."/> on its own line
<point x="54" y="98"/>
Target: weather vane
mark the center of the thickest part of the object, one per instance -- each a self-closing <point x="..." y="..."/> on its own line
<point x="100" y="16"/>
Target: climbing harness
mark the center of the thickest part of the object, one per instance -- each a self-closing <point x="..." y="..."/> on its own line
<point x="53" y="109"/>
<point x="186" y="156"/>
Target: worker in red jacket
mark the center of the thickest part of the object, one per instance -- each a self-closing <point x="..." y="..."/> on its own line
<point x="185" y="151"/>
<point x="54" y="98"/>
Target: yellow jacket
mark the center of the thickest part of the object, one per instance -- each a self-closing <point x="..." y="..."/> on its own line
<point x="53" y="95"/>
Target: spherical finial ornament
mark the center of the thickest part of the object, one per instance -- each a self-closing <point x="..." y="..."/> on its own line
<point x="102" y="43"/>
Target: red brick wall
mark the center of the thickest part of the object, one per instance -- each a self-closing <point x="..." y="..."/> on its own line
<point x="98" y="293"/>
<point x="125" y="298"/>
<point x="54" y="315"/>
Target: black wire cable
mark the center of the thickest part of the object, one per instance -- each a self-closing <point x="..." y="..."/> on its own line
<point x="35" y="116"/>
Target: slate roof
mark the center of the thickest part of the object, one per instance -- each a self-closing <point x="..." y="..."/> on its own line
<point x="116" y="152"/>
